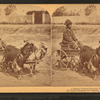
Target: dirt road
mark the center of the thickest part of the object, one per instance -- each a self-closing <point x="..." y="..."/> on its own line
<point x="71" y="78"/>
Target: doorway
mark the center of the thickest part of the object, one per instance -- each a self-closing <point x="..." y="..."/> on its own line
<point x="38" y="17"/>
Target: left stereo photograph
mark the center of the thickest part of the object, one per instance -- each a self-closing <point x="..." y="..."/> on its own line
<point x="25" y="46"/>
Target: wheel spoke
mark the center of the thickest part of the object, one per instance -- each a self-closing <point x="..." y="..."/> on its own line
<point x="60" y="57"/>
<point x="55" y="63"/>
<point x="66" y="65"/>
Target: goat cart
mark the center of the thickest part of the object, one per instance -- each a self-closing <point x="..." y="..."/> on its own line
<point x="65" y="58"/>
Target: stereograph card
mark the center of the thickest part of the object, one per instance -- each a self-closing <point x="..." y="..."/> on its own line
<point x="49" y="48"/>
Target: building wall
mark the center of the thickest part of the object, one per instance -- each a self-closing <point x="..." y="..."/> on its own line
<point x="76" y="19"/>
<point x="47" y="19"/>
<point x="21" y="19"/>
<point x="15" y="19"/>
<point x="28" y="18"/>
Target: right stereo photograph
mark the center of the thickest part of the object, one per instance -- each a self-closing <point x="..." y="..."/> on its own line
<point x="76" y="45"/>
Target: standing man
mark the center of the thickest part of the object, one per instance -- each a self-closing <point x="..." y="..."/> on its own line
<point x="69" y="37"/>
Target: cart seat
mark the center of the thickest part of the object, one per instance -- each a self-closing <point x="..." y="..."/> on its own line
<point x="66" y="46"/>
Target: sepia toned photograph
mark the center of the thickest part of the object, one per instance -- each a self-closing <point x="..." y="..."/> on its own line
<point x="25" y="46"/>
<point x="76" y="45"/>
<point x="50" y="48"/>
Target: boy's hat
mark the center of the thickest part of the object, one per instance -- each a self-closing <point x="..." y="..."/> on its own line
<point x="68" y="22"/>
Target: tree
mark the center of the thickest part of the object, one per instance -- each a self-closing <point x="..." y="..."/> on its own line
<point x="89" y="9"/>
<point x="9" y="9"/>
<point x="59" y="12"/>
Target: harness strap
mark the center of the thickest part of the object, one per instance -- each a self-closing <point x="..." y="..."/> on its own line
<point x="90" y="64"/>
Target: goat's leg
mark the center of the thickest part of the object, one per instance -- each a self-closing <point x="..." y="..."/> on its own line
<point x="34" y="70"/>
<point x="31" y="70"/>
<point x="9" y="69"/>
<point x="19" y="76"/>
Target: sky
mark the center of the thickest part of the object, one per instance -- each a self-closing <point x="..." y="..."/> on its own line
<point x="23" y="8"/>
<point x="80" y="6"/>
<point x="70" y="7"/>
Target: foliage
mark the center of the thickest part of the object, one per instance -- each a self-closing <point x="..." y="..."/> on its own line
<point x="63" y="12"/>
<point x="9" y="9"/>
<point x="59" y="12"/>
<point x="89" y="9"/>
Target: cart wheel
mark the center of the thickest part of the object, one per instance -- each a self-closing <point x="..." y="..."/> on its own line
<point x="1" y="66"/>
<point x="1" y="63"/>
<point x="59" y="59"/>
<point x="74" y="64"/>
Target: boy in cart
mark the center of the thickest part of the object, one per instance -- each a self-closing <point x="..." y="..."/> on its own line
<point x="69" y="40"/>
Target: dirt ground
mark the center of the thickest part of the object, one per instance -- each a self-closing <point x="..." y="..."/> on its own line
<point x="15" y="35"/>
<point x="88" y="35"/>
